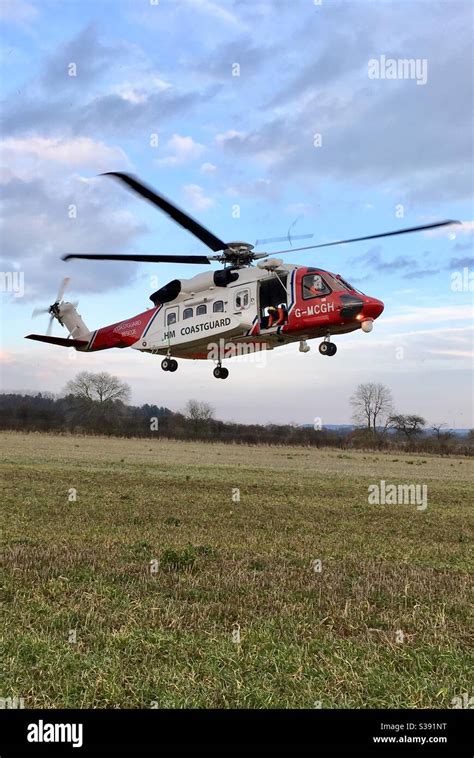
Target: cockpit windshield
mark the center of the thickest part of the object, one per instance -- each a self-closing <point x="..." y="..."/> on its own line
<point x="337" y="284"/>
<point x="342" y="284"/>
<point x="350" y="286"/>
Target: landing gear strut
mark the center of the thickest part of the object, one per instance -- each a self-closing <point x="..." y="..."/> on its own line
<point x="327" y="347"/>
<point x="220" y="372"/>
<point x="169" y="364"/>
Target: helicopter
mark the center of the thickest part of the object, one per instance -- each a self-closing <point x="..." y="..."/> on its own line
<point x="255" y="301"/>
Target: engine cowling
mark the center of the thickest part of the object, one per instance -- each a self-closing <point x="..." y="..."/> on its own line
<point x="198" y="283"/>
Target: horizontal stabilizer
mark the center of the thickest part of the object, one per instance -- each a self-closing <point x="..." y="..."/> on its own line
<point x="63" y="341"/>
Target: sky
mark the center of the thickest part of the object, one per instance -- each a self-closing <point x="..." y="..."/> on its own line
<point x="260" y="118"/>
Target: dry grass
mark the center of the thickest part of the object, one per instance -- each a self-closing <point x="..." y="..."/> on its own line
<point x="166" y="637"/>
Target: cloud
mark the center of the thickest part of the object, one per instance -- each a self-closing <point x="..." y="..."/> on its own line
<point x="373" y="259"/>
<point x="384" y="133"/>
<point x="420" y="273"/>
<point x="208" y="168"/>
<point x="216" y="11"/>
<point x="249" y="56"/>
<point x="18" y="12"/>
<point x="181" y="150"/>
<point x="90" y="57"/>
<point x="430" y="314"/>
<point x="49" y="208"/>
<point x="6" y="358"/>
<point x="408" y="267"/>
<point x="43" y="220"/>
<point x="463" y="227"/>
<point x="139" y="90"/>
<point x="452" y="353"/>
<point x="261" y="188"/>
<point x="225" y="138"/>
<point x="196" y="198"/>
<point x="109" y="114"/>
<point x="327" y="66"/>
<point x="456" y="263"/>
<point x="453" y="333"/>
<point x="78" y="151"/>
<point x="97" y="101"/>
<point x="459" y="247"/>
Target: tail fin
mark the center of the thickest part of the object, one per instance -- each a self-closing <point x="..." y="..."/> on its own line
<point x="73" y="322"/>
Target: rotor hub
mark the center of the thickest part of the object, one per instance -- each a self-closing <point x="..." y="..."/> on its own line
<point x="237" y="254"/>
<point x="54" y="309"/>
<point x="238" y="246"/>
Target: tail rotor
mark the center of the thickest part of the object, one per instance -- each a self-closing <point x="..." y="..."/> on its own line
<point x="54" y="308"/>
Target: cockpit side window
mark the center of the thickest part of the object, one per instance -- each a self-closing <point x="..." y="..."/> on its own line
<point x="313" y="285"/>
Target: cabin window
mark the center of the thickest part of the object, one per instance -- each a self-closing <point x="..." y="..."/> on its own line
<point x="242" y="299"/>
<point x="171" y="319"/>
<point x="313" y="285"/>
<point x="188" y="313"/>
<point x="218" y="306"/>
<point x="201" y="310"/>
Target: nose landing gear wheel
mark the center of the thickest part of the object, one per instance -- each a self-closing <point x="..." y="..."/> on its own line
<point x="220" y="372"/>
<point x="327" y="348"/>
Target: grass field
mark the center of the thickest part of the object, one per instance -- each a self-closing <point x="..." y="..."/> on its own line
<point x="154" y="563"/>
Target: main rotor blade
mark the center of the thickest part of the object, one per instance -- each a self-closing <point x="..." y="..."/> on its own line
<point x="371" y="236"/>
<point x="200" y="259"/>
<point x="181" y="218"/>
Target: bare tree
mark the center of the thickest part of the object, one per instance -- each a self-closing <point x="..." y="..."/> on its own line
<point x="372" y="405"/>
<point x="411" y="426"/>
<point x="198" y="411"/>
<point x="101" y="387"/>
<point x="441" y="432"/>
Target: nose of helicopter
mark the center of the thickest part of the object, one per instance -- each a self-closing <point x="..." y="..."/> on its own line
<point x="373" y="308"/>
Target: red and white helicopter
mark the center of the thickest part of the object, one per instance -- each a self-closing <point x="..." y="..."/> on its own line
<point x="232" y="310"/>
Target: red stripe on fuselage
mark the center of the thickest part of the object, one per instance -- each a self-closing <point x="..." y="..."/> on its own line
<point x="123" y="333"/>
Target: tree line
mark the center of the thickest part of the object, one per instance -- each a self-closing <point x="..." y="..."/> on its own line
<point x="99" y="404"/>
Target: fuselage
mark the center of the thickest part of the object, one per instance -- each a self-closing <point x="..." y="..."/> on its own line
<point x="264" y="306"/>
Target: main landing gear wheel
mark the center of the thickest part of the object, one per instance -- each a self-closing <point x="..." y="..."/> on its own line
<point x="327" y="348"/>
<point x="220" y="372"/>
<point x="169" y="364"/>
